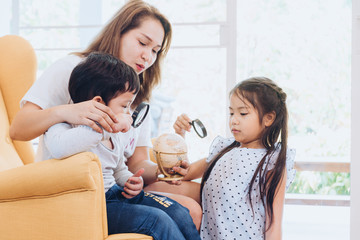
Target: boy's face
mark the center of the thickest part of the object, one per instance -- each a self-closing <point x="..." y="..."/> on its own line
<point x="121" y="103"/>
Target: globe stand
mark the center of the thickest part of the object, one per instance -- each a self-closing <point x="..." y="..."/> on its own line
<point x="172" y="178"/>
<point x="165" y="166"/>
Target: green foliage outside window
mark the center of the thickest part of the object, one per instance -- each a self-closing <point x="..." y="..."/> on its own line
<point x="324" y="183"/>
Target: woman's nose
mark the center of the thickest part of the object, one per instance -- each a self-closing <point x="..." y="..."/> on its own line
<point x="146" y="56"/>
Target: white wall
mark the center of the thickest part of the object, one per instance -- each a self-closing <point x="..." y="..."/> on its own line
<point x="355" y="124"/>
<point x="5" y="17"/>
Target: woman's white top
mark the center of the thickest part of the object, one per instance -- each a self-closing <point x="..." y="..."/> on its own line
<point x="227" y="213"/>
<point x="51" y="89"/>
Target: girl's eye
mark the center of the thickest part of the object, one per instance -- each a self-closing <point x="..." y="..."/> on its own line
<point x="142" y="44"/>
<point x="243" y="114"/>
<point x="231" y="114"/>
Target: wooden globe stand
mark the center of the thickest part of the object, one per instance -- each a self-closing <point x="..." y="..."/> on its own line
<point x="168" y="176"/>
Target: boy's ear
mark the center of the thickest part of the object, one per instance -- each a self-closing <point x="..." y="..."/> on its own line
<point x="98" y="99"/>
<point x="269" y="118"/>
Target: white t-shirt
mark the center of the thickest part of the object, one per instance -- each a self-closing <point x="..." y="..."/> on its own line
<point x="225" y="202"/>
<point x="63" y="140"/>
<point x="51" y="89"/>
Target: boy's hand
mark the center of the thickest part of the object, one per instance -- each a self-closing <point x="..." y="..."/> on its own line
<point x="124" y="122"/>
<point x="134" y="185"/>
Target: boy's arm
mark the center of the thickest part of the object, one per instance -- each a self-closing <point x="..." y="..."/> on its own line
<point x="63" y="140"/>
<point x="121" y="172"/>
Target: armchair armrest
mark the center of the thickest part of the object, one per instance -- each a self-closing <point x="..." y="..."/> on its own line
<point x="50" y="177"/>
<point x="54" y="199"/>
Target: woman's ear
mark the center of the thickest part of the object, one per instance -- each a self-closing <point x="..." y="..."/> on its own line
<point x="269" y="118"/>
<point x="98" y="99"/>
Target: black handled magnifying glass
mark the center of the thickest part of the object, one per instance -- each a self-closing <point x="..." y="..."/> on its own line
<point x="199" y="128"/>
<point x="139" y="114"/>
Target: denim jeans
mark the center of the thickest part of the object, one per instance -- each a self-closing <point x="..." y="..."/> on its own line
<point x="150" y="214"/>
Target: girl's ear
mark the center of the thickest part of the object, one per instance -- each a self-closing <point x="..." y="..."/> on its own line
<point x="98" y="99"/>
<point x="269" y="118"/>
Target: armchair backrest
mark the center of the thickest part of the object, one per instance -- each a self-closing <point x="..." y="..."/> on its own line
<point x="17" y="74"/>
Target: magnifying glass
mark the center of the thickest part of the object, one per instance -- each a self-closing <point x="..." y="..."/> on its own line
<point x="199" y="128"/>
<point x="139" y="114"/>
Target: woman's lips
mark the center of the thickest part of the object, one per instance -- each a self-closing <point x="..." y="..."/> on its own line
<point x="140" y="67"/>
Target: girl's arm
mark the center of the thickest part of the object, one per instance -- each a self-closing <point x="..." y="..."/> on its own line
<point x="275" y="231"/>
<point x="196" y="170"/>
<point x="31" y="121"/>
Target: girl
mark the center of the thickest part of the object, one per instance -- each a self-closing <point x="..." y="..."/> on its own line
<point x="246" y="176"/>
<point x="140" y="36"/>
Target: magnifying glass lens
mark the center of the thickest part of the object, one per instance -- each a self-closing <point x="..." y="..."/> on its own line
<point x="139" y="114"/>
<point x="199" y="128"/>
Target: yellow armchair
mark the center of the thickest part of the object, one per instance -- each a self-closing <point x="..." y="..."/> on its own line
<point x="53" y="199"/>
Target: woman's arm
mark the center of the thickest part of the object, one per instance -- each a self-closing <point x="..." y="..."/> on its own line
<point x="275" y="231"/>
<point x="31" y="121"/>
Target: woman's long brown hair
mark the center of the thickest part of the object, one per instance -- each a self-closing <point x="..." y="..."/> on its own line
<point x="130" y="17"/>
<point x="266" y="97"/>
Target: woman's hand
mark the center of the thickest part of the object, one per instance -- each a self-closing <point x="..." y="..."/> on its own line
<point x="182" y="124"/>
<point x="89" y="113"/>
<point x="134" y="185"/>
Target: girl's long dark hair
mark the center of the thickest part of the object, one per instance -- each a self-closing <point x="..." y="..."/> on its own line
<point x="266" y="97"/>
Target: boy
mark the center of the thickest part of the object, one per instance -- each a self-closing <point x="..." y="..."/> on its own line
<point x="105" y="79"/>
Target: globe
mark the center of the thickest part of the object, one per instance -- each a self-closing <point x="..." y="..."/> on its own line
<point x="169" y="151"/>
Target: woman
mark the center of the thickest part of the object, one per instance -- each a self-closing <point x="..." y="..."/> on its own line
<point x="140" y="36"/>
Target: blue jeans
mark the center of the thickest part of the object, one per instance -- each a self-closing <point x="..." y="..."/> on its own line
<point x="150" y="214"/>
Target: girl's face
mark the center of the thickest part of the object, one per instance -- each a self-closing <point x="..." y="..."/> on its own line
<point x="139" y="46"/>
<point x="244" y="122"/>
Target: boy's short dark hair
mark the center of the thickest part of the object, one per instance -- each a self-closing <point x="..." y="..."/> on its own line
<point x="102" y="74"/>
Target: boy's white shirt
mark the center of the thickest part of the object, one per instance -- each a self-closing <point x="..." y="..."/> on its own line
<point x="63" y="140"/>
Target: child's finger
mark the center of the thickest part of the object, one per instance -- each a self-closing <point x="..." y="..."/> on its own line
<point x="131" y="192"/>
<point x="126" y="195"/>
<point x="139" y="172"/>
<point x="133" y="186"/>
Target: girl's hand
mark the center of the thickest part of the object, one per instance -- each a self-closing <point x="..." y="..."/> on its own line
<point x="183" y="170"/>
<point x="124" y="122"/>
<point x="182" y="124"/>
<point x="89" y="113"/>
<point x="134" y="185"/>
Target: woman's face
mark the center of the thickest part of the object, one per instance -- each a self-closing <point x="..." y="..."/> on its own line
<point x="139" y="46"/>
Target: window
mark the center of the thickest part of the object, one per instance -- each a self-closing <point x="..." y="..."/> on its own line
<point x="305" y="46"/>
